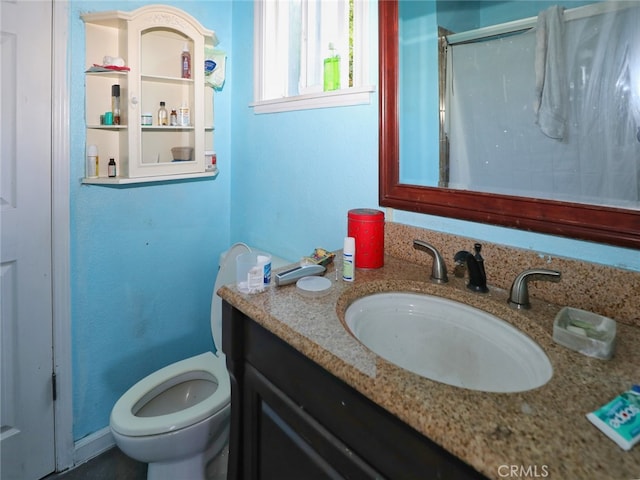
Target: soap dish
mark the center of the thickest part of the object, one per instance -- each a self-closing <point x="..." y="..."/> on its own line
<point x="585" y="332"/>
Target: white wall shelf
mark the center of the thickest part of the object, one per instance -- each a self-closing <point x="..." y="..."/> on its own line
<point x="122" y="181"/>
<point x="150" y="39"/>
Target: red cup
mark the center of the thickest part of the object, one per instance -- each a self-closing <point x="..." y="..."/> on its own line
<point x="367" y="227"/>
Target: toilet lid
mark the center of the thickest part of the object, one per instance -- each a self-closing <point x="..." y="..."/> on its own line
<point x="226" y="275"/>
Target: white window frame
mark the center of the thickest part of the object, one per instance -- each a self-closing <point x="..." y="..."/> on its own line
<point x="359" y="94"/>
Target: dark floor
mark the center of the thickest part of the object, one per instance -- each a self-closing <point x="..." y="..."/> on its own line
<point x="115" y="465"/>
<point x="111" y="465"/>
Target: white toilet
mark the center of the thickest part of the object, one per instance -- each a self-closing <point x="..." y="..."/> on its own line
<point x="177" y="419"/>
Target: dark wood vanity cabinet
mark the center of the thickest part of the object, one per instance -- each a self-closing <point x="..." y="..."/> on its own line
<point x="291" y="419"/>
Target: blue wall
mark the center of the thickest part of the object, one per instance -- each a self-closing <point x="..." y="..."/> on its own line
<point x="144" y="259"/>
<point x="296" y="174"/>
<point x="418" y="84"/>
<point x="419" y="104"/>
<point x="461" y="15"/>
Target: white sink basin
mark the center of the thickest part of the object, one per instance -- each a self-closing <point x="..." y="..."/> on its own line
<point x="448" y="342"/>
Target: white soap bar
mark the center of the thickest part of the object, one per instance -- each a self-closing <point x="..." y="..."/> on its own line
<point x="577" y="330"/>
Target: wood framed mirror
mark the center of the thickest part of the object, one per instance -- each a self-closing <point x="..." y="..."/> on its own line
<point x="613" y="226"/>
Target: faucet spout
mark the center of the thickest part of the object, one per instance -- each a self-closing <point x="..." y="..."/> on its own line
<point x="438" y="269"/>
<point x="475" y="267"/>
<point x="519" y="295"/>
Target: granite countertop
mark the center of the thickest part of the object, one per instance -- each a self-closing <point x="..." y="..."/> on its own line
<point x="541" y="432"/>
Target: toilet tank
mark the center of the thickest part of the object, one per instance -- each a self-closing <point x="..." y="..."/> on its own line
<point x="276" y="262"/>
<point x="226" y="268"/>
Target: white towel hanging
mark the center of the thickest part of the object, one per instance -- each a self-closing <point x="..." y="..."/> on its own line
<point x="550" y="67"/>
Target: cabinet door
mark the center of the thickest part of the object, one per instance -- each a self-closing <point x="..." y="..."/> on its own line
<point x="285" y="442"/>
<point x="156" y="43"/>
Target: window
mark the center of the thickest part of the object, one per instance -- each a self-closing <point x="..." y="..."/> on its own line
<point x="291" y="41"/>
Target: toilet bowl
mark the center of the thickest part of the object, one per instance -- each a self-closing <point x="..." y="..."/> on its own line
<point x="177" y="418"/>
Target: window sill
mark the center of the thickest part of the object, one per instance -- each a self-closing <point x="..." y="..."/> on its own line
<point x="338" y="98"/>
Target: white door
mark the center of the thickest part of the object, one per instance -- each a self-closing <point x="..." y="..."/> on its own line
<point x="26" y="400"/>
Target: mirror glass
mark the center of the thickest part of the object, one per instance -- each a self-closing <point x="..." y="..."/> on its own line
<point x="539" y="106"/>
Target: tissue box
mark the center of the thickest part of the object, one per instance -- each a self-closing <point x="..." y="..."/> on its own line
<point x="585" y="332"/>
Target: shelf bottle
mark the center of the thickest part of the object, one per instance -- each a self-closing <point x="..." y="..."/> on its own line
<point x="111" y="168"/>
<point x="185" y="60"/>
<point x="115" y="103"/>
<point x="163" y="116"/>
<point x="92" y="162"/>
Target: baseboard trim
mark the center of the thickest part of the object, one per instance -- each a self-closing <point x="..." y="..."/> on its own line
<point x="92" y="445"/>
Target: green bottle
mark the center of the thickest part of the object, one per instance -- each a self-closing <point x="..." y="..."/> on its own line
<point x="332" y="70"/>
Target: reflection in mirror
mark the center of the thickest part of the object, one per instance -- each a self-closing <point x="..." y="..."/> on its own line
<point x="545" y="107"/>
<point x="410" y="171"/>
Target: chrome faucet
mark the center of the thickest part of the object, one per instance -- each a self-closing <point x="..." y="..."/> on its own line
<point x="475" y="266"/>
<point x="519" y="295"/>
<point x="438" y="269"/>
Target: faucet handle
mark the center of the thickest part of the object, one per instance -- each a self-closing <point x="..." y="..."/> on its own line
<point x="438" y="269"/>
<point x="519" y="295"/>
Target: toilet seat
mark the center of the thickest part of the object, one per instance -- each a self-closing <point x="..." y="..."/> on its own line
<point x="204" y="366"/>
